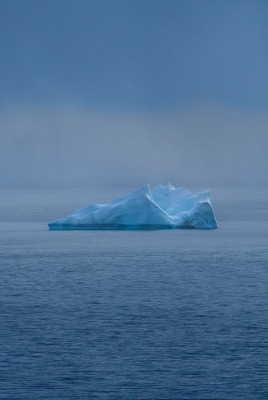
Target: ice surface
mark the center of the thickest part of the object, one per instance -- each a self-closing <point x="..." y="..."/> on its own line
<point x="164" y="207"/>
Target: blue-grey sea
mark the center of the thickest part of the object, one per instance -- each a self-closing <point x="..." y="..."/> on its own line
<point x="169" y="314"/>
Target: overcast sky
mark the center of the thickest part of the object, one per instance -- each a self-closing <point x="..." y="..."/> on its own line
<point x="123" y="92"/>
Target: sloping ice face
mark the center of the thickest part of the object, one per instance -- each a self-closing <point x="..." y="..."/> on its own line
<point x="164" y="207"/>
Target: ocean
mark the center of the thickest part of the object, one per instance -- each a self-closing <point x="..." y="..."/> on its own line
<point x="169" y="314"/>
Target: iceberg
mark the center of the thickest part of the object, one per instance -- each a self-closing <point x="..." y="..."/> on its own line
<point x="164" y="207"/>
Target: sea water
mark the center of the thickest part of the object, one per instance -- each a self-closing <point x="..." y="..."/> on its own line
<point x="170" y="314"/>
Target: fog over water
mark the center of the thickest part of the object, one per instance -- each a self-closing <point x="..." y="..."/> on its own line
<point x="74" y="146"/>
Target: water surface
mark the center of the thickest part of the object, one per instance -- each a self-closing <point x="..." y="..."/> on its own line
<point x="169" y="314"/>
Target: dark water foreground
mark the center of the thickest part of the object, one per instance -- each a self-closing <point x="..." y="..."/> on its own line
<point x="169" y="314"/>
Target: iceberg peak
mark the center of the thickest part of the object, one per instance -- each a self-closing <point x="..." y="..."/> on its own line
<point x="164" y="207"/>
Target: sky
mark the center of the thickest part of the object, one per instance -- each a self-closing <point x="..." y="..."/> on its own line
<point x="123" y="92"/>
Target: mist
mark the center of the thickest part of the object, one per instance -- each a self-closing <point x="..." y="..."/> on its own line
<point x="77" y="147"/>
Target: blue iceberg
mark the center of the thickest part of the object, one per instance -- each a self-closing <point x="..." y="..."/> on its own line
<point x="164" y="207"/>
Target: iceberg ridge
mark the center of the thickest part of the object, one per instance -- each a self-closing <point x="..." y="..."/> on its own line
<point x="164" y="207"/>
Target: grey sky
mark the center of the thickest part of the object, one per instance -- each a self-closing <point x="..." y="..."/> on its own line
<point x="129" y="91"/>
